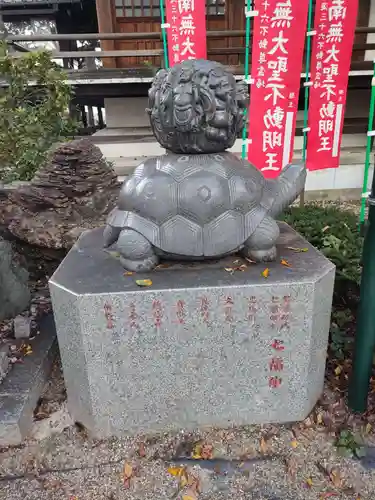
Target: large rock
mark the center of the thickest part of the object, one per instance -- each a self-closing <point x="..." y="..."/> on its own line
<point x="14" y="292"/>
<point x="73" y="192"/>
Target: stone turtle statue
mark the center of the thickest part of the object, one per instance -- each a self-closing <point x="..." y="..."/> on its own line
<point x="198" y="207"/>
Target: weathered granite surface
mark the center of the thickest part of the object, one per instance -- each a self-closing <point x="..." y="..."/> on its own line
<point x="23" y="385"/>
<point x="201" y="346"/>
<point x="73" y="192"/>
<point x="14" y="291"/>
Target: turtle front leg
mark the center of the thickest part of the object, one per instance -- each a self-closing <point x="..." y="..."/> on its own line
<point x="136" y="252"/>
<point x="261" y="246"/>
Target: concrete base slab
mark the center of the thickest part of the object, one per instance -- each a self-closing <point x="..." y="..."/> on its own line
<point x="22" y="387"/>
<point x="200" y="347"/>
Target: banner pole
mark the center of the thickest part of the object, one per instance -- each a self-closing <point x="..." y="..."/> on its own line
<point x="307" y="92"/>
<point x="164" y="35"/>
<point x="368" y="151"/>
<point x="246" y="68"/>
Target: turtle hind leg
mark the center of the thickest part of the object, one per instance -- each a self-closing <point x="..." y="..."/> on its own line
<point x="110" y="235"/>
<point x="261" y="245"/>
<point x="136" y="252"/>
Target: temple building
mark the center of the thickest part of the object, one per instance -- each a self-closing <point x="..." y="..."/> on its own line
<point x="119" y="82"/>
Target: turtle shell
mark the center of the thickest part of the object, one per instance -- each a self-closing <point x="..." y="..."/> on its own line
<point x="193" y="205"/>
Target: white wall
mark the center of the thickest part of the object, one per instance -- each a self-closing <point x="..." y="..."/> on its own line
<point x="126" y="112"/>
<point x="370" y="54"/>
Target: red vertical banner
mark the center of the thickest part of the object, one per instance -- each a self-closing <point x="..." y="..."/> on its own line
<point x="335" y="22"/>
<point x="277" y="54"/>
<point x="186" y="29"/>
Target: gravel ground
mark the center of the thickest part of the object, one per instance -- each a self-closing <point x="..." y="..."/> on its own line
<point x="284" y="473"/>
<point x="298" y="462"/>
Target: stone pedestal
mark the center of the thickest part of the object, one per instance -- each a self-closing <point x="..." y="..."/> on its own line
<point x="201" y="347"/>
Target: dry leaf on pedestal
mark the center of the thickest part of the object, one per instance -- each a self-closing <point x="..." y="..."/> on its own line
<point x="128" y="474"/>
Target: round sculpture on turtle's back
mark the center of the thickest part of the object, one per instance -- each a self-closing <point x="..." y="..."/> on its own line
<point x="186" y="204"/>
<point x="197" y="107"/>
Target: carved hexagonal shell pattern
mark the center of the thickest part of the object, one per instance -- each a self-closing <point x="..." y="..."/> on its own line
<point x="192" y="205"/>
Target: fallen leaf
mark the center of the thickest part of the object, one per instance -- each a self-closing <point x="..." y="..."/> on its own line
<point x="319" y="419"/>
<point x="41" y="415"/>
<point x="328" y="494"/>
<point x="144" y="282"/>
<point x="335" y="477"/>
<point x="207" y="451"/>
<point x="176" y="471"/>
<point x="266" y="273"/>
<point x="294" y="443"/>
<point x="298" y="250"/>
<point x="236" y="262"/>
<point x="368" y="428"/>
<point x="142" y="450"/>
<point x="325" y="229"/>
<point x="309" y="482"/>
<point x="229" y="269"/>
<point x="263" y="446"/>
<point x="189" y="494"/>
<point x="162" y="266"/>
<point x="183" y="479"/>
<point x="127" y="474"/>
<point x="128" y="273"/>
<point x="243" y="267"/>
<point x="291" y="467"/>
<point x="308" y="422"/>
<point x="202" y="451"/>
<point x="285" y="263"/>
<point x="338" y="370"/>
<point x="250" y="261"/>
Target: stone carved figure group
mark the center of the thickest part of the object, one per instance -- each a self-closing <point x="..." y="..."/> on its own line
<point x="198" y="201"/>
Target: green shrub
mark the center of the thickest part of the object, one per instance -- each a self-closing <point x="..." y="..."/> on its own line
<point x="334" y="232"/>
<point x="32" y="117"/>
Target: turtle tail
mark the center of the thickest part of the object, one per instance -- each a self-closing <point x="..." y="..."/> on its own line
<point x="110" y="235"/>
<point x="287" y="187"/>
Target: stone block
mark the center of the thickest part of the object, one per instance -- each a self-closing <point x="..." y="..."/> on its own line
<point x="4" y="361"/>
<point x="22" y="327"/>
<point x="200" y="347"/>
<point x="22" y="387"/>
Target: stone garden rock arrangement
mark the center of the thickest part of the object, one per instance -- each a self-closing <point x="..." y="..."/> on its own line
<point x="73" y="192"/>
<point x="14" y="292"/>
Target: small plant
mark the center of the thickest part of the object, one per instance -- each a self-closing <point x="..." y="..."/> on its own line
<point x="339" y="342"/>
<point x="350" y="445"/>
<point x="335" y="233"/>
<point x="33" y="112"/>
<point x="339" y="339"/>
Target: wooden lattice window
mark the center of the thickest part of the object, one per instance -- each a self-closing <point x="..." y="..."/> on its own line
<point x="215" y="7"/>
<point x="137" y="8"/>
<point x="151" y="8"/>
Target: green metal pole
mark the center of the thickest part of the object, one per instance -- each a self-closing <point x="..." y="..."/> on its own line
<point x="365" y="335"/>
<point x="368" y="152"/>
<point x="246" y="68"/>
<point x="164" y="35"/>
<point x="307" y="79"/>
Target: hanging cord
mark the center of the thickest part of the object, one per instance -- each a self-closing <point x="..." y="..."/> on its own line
<point x="370" y="134"/>
<point x="164" y="35"/>
<point x="247" y="52"/>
